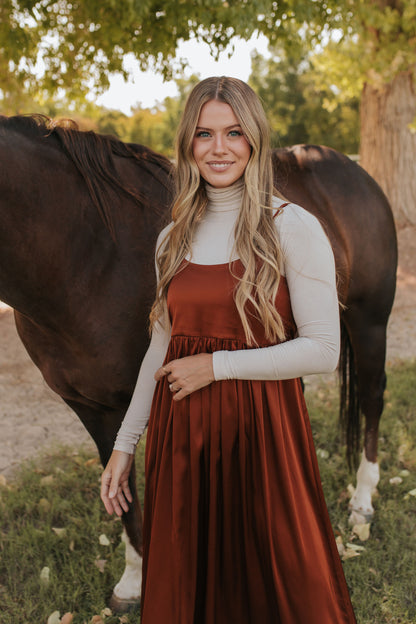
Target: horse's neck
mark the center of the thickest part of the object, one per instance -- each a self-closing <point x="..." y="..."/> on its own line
<point x="45" y="232"/>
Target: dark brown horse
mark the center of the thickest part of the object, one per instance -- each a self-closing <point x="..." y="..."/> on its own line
<point x="79" y="216"/>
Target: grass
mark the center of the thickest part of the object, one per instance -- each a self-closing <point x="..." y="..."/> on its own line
<point x="51" y="518"/>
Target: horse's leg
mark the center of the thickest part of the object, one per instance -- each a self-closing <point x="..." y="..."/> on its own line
<point x="103" y="427"/>
<point x="369" y="345"/>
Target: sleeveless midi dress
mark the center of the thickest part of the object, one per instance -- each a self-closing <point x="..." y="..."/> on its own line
<point x="236" y="528"/>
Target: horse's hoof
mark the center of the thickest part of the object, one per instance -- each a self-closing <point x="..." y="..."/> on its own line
<point x="360" y="517"/>
<point x="123" y="605"/>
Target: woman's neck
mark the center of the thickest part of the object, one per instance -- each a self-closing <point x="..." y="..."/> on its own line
<point x="214" y="236"/>
<point x="225" y="199"/>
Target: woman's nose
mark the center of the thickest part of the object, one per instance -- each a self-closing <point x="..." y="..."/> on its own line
<point x="219" y="144"/>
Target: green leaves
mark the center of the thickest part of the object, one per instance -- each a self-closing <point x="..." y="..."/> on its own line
<point x="71" y="46"/>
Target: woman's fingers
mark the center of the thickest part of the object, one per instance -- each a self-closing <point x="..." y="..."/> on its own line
<point x="105" y="486"/>
<point x="115" y="490"/>
<point x="120" y="503"/>
<point x="161" y="372"/>
<point x="187" y="374"/>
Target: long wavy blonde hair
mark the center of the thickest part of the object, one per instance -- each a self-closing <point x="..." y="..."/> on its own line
<point x="256" y="241"/>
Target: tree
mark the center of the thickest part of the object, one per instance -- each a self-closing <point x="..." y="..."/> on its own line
<point x="75" y="44"/>
<point x="302" y="109"/>
<point x="374" y="54"/>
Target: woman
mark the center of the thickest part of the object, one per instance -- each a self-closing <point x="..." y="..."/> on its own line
<point x="235" y="524"/>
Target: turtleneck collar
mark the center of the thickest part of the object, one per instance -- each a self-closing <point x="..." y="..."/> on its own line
<point x="225" y="199"/>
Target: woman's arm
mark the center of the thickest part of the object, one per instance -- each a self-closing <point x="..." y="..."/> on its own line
<point x="115" y="491"/>
<point x="310" y="274"/>
<point x="137" y="415"/>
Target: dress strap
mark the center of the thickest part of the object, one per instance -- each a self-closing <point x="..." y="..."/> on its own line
<point x="280" y="209"/>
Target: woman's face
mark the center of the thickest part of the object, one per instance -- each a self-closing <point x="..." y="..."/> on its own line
<point x="219" y="147"/>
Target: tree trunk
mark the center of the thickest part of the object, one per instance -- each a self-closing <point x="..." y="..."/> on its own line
<point x="388" y="146"/>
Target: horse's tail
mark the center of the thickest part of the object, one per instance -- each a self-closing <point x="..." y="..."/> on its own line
<point x="349" y="408"/>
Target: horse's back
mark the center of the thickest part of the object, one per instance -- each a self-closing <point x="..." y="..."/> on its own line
<point x="354" y="212"/>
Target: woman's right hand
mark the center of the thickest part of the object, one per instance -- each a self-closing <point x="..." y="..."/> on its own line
<point x="115" y="490"/>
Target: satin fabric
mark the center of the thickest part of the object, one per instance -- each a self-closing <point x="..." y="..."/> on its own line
<point x="236" y="529"/>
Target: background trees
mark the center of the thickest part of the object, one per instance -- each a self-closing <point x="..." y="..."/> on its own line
<point x="353" y="48"/>
<point x="301" y="106"/>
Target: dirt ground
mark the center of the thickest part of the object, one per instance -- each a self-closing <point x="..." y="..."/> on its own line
<point x="33" y="418"/>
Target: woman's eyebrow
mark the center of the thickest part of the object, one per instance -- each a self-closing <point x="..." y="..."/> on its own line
<point x="227" y="128"/>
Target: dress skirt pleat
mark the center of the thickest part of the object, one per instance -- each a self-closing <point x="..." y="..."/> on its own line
<point x="236" y="529"/>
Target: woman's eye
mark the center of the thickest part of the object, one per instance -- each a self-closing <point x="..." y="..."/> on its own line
<point x="202" y="134"/>
<point x="235" y="133"/>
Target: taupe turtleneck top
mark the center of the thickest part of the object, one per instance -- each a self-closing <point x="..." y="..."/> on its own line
<point x="310" y="273"/>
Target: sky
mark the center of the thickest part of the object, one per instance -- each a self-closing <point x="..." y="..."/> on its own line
<point x="147" y="88"/>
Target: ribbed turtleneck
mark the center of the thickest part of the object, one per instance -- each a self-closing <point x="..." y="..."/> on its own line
<point x="225" y="199"/>
<point x="214" y="237"/>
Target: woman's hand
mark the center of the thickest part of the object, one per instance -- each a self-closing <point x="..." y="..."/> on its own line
<point x="115" y="491"/>
<point x="187" y="374"/>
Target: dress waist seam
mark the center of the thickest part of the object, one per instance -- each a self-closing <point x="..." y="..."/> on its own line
<point x="241" y="343"/>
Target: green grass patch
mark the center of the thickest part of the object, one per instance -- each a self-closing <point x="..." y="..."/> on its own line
<point x="51" y="520"/>
<point x="382" y="578"/>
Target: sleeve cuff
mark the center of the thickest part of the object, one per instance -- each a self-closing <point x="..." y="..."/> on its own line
<point x="219" y="364"/>
<point x="125" y="447"/>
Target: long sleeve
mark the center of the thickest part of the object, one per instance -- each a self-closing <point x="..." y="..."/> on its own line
<point x="137" y="415"/>
<point x="310" y="274"/>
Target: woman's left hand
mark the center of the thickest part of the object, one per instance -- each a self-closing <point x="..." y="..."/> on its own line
<point x="187" y="374"/>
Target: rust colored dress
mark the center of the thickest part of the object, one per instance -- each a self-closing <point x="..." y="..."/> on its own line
<point x="236" y="529"/>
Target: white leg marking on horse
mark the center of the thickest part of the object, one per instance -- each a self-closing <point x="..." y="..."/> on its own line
<point x="129" y="586"/>
<point x="368" y="475"/>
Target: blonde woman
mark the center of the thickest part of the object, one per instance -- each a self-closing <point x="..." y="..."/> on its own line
<point x="235" y="525"/>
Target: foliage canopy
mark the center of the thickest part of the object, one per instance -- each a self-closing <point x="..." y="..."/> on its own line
<point x="73" y="45"/>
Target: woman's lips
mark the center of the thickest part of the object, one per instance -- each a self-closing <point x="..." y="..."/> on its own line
<point x="220" y="166"/>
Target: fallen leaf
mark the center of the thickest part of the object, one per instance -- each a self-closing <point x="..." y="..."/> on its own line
<point x="362" y="531"/>
<point x="67" y="618"/>
<point x="404" y="473"/>
<point x="349" y="554"/>
<point x="355" y="547"/>
<point x="100" y="563"/>
<point x="59" y="532"/>
<point x="351" y="489"/>
<point x="395" y="480"/>
<point x="124" y="619"/>
<point x="103" y="539"/>
<point x="92" y="462"/>
<point x="72" y="545"/>
<point x="47" y="480"/>
<point x="44" y="575"/>
<point x="97" y="619"/>
<point x="44" y="505"/>
<point x="323" y="453"/>
<point x="3" y="481"/>
<point x="106" y="612"/>
<point x="340" y="546"/>
<point x="54" y="618"/>
<point x="412" y="492"/>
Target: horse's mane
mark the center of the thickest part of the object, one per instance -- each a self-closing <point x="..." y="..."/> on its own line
<point x="93" y="155"/>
